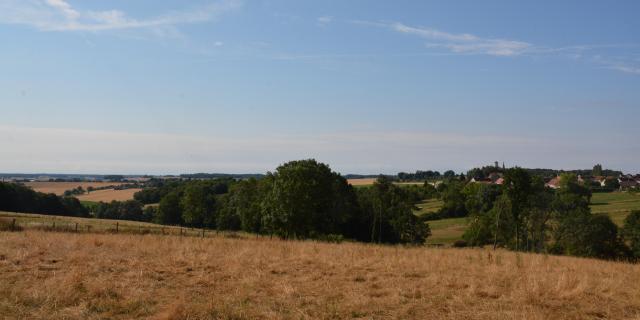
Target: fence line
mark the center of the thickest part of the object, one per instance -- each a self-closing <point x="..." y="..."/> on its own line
<point x="101" y="227"/>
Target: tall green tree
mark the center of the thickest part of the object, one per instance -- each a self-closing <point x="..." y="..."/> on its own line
<point x="387" y="210"/>
<point x="597" y="170"/>
<point x="169" y="209"/>
<point x="631" y="232"/>
<point x="198" y="203"/>
<point x="517" y="187"/>
<point x="307" y="199"/>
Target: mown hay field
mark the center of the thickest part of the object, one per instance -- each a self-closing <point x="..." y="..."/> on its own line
<point x="363" y="182"/>
<point x="60" y="187"/>
<point x="108" y="195"/>
<point x="52" y="275"/>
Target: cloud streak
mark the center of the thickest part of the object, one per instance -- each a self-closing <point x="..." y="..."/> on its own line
<point x="60" y="15"/>
<point x="465" y="42"/>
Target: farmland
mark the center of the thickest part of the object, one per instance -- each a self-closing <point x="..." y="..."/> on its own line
<point x="363" y="182"/>
<point x="616" y="204"/>
<point x="107" y="276"/>
<point x="107" y="195"/>
<point x="60" y="187"/>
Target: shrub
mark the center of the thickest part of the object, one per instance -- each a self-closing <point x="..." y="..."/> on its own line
<point x="459" y="244"/>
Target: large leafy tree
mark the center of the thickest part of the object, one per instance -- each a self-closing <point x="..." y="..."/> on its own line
<point x="169" y="211"/>
<point x="307" y="199"/>
<point x="198" y="203"/>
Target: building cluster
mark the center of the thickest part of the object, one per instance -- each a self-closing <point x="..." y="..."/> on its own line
<point x="625" y="182"/>
<point x="492" y="178"/>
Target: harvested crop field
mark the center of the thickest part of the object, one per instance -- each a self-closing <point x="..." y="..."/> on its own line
<point x="370" y="181"/>
<point x="60" y="187"/>
<point x="114" y="276"/>
<point x="107" y="195"/>
<point x="361" y="182"/>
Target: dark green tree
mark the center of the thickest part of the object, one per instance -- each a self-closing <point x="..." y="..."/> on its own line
<point x="631" y="232"/>
<point x="597" y="170"/>
<point x="169" y="209"/>
<point x="307" y="199"/>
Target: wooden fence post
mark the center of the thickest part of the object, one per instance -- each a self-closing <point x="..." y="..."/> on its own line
<point x="54" y="226"/>
<point x="76" y="227"/>
<point x="116" y="227"/>
<point x="13" y="225"/>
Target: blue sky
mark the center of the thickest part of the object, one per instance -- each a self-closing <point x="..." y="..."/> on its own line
<point x="366" y="86"/>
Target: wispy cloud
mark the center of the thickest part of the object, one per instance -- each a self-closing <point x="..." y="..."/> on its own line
<point x="626" y="65"/>
<point x="61" y="15"/>
<point x="465" y="42"/>
<point x="324" y="20"/>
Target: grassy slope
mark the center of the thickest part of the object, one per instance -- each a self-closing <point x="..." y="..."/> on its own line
<point x="616" y="204"/>
<point x="49" y="275"/>
<point x="38" y="221"/>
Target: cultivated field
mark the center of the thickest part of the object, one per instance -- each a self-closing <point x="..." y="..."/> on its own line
<point x="50" y="275"/>
<point x="616" y="204"/>
<point x="361" y="182"/>
<point x="369" y="181"/>
<point x="107" y="195"/>
<point x="60" y="187"/>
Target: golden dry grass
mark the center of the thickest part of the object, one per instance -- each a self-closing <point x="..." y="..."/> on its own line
<point x="90" y="276"/>
<point x="60" y="187"/>
<point x="108" y="195"/>
<point x="361" y="182"/>
<point x="370" y="181"/>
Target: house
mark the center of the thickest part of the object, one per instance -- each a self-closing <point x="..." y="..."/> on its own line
<point x="627" y="183"/>
<point x="481" y="180"/>
<point x="554" y="183"/>
<point x="494" y="176"/>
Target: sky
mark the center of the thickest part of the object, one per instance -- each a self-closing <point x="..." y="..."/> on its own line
<point x="166" y="87"/>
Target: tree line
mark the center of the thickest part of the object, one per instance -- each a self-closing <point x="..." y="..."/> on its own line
<point x="299" y="200"/>
<point x="524" y="215"/>
<point x="18" y="198"/>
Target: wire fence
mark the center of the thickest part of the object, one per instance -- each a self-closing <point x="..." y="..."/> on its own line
<point x="108" y="227"/>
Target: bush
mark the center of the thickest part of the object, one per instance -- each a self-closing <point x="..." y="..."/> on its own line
<point x="459" y="244"/>
<point x="334" y="238"/>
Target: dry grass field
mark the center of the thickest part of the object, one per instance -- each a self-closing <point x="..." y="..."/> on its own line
<point x="60" y="187"/>
<point x="369" y="181"/>
<point x="108" y="195"/>
<point x="50" y="275"/>
<point x="361" y="182"/>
